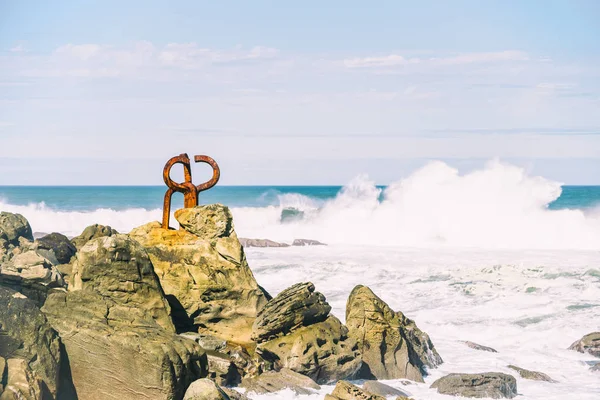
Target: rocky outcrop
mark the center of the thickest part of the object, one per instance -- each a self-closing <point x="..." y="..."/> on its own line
<point x="304" y="338"/>
<point x="31" y="271"/>
<point x="391" y="345"/>
<point x="494" y="385"/>
<point x="13" y="227"/>
<point x="206" y="279"/>
<point x="261" y="243"/>
<point x="234" y="394"/>
<point x="116" y="328"/>
<point x="205" y="389"/>
<point x="590" y="344"/>
<point x="271" y="381"/>
<point x="346" y="391"/>
<point x="476" y="346"/>
<point x="30" y="350"/>
<point x="532" y="375"/>
<point x="293" y="308"/>
<point x="92" y="232"/>
<point x="59" y="244"/>
<point x="384" y="390"/>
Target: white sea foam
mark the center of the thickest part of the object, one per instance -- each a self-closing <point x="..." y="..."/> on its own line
<point x="497" y="207"/>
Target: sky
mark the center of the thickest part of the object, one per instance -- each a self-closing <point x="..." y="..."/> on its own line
<point x="297" y="93"/>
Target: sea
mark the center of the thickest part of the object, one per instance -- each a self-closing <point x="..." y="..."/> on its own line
<point x="494" y="256"/>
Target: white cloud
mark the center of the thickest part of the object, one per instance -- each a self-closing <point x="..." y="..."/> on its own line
<point x="395" y="60"/>
<point x="18" y="49"/>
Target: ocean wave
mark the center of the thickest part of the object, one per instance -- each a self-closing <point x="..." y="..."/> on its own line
<point x="498" y="206"/>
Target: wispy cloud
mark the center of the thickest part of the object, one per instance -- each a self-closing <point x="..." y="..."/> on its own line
<point x="394" y="60"/>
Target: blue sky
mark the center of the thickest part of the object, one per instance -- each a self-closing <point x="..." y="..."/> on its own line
<point x="104" y="92"/>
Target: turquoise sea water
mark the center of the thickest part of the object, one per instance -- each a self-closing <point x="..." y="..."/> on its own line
<point x="89" y="198"/>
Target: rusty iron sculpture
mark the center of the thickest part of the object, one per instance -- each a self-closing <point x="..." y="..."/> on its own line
<point x="189" y="190"/>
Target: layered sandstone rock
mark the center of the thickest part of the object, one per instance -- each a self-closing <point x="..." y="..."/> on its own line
<point x="493" y="385"/>
<point x="206" y="278"/>
<point x="590" y="344"/>
<point x="295" y="331"/>
<point x="116" y="327"/>
<point x="391" y="345"/>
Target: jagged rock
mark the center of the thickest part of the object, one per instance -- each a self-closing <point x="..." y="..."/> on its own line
<point x="321" y="351"/>
<point x="31" y="273"/>
<point x="476" y="346"/>
<point x="209" y="222"/>
<point x="92" y="232"/>
<point x="116" y="328"/>
<point x="261" y="243"/>
<point x="270" y="382"/>
<point x="590" y="343"/>
<point x="30" y="350"/>
<point x="391" y="345"/>
<point x="307" y="242"/>
<point x="62" y="247"/>
<point x="14" y="226"/>
<point x="206" y="279"/>
<point x="532" y="375"/>
<point x="384" y="390"/>
<point x="489" y="384"/>
<point x="297" y="306"/>
<point x="205" y="389"/>
<point x="346" y="391"/>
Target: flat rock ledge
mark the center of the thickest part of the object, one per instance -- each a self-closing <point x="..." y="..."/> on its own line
<point x="532" y="375"/>
<point x="494" y="385"/>
<point x="590" y="344"/>
<point x="346" y="391"/>
<point x="384" y="390"/>
<point x="270" y="382"/>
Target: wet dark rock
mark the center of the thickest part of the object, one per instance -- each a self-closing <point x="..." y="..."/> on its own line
<point x="62" y="247"/>
<point x="476" y="346"/>
<point x="494" y="385"/>
<point x="13" y="227"/>
<point x="590" y="344"/>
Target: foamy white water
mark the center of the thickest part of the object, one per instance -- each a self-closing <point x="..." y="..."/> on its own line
<point x="528" y="305"/>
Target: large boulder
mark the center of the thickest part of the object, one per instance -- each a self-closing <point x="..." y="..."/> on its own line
<point x="30" y="350"/>
<point x="13" y="227"/>
<point x="391" y="345"/>
<point x="494" y="385"/>
<point x="293" y="308"/>
<point x="205" y="389"/>
<point x="92" y="232"/>
<point x="310" y="342"/>
<point x="206" y="278"/>
<point x="590" y="344"/>
<point x="116" y="327"/>
<point x="382" y="389"/>
<point x="60" y="245"/>
<point x="346" y="391"/>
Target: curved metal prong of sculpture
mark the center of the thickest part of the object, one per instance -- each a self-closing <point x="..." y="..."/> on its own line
<point x="189" y="190"/>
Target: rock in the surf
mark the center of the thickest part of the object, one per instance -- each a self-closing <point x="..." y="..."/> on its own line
<point x="532" y="375"/>
<point x="30" y="350"/>
<point x="494" y="385"/>
<point x="476" y="346"/>
<point x="205" y="389"/>
<point x="274" y="381"/>
<point x="206" y="279"/>
<point x="296" y="331"/>
<point x="60" y="245"/>
<point x="13" y="227"/>
<point x="297" y="306"/>
<point x="92" y="232"/>
<point x="346" y="391"/>
<point x="261" y="243"/>
<point x="391" y="345"/>
<point x="307" y="242"/>
<point x="590" y="344"/>
<point x="116" y="327"/>
<point x="595" y="368"/>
